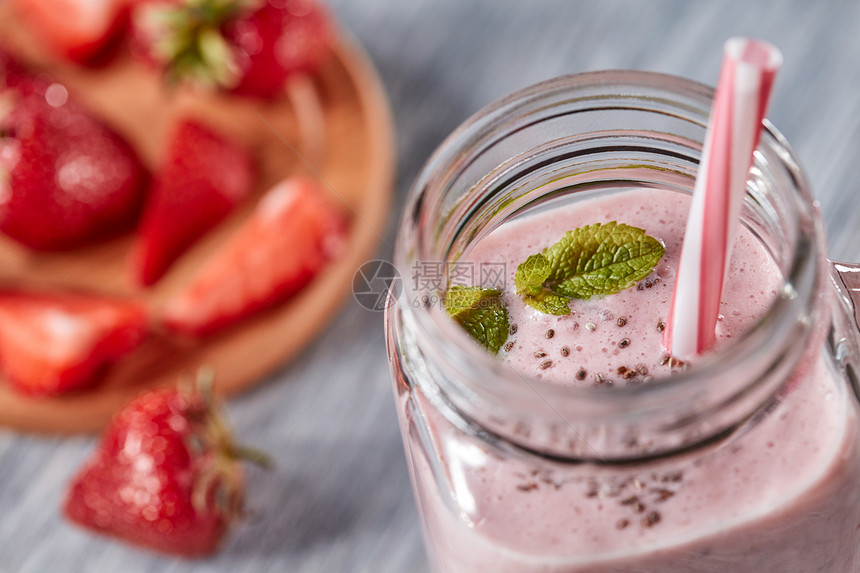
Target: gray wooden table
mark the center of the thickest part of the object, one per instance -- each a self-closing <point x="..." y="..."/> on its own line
<point x="340" y="499"/>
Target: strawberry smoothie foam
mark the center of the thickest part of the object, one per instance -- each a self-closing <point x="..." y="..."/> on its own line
<point x="778" y="495"/>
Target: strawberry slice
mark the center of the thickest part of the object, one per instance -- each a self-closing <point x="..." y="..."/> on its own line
<point x="203" y="178"/>
<point x="294" y="231"/>
<point x="83" y="31"/>
<point x="164" y="476"/>
<point x="57" y="342"/>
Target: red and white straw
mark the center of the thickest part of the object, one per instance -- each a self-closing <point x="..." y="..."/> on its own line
<point x="746" y="78"/>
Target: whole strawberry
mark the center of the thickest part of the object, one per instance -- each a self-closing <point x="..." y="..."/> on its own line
<point x="248" y="47"/>
<point x="164" y="476"/>
<point x="65" y="178"/>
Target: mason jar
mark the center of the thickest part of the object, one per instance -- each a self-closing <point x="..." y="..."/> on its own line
<point x="747" y="462"/>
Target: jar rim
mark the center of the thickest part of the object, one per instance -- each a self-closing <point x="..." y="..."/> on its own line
<point x="488" y="379"/>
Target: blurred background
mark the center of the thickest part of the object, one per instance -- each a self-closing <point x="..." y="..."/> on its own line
<point x="339" y="499"/>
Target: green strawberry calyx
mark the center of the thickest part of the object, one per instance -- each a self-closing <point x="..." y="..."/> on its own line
<point x="186" y="37"/>
<point x="218" y="484"/>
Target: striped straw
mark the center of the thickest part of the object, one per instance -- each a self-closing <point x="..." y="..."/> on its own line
<point x="748" y="70"/>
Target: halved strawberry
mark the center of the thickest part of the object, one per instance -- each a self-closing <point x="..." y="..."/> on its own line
<point x="80" y="30"/>
<point x="293" y="233"/>
<point x="165" y="475"/>
<point x="54" y="342"/>
<point x="203" y="178"/>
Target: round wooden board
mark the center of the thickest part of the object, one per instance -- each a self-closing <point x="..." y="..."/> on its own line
<point x="354" y="157"/>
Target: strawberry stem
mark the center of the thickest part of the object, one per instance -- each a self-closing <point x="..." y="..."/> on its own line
<point x="187" y="38"/>
<point x="253" y="455"/>
<point x="220" y="480"/>
<point x="205" y="383"/>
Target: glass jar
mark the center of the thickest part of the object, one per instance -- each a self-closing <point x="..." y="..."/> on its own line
<point x="749" y="461"/>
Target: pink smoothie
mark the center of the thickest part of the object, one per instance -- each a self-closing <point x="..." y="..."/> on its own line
<point x="782" y="495"/>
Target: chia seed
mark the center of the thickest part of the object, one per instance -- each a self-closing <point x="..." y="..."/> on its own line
<point x="653" y="518"/>
<point x="642" y="369"/>
<point x="539" y="353"/>
<point x="622" y="321"/>
<point x="581" y="374"/>
<point x="550" y="333"/>
<point x="625" y="342"/>
<point x="565" y="351"/>
<point x="590" y="326"/>
<point x="661" y="326"/>
<point x="521" y="429"/>
<point x="509" y="345"/>
<point x="513" y="329"/>
<point x="545" y="364"/>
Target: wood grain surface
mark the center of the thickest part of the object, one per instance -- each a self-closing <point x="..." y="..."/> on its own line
<point x="339" y="499"/>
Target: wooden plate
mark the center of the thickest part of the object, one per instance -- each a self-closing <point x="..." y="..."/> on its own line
<point x="353" y="154"/>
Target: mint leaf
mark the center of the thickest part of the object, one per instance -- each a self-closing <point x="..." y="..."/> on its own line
<point x="529" y="280"/>
<point x="531" y="275"/>
<point x="548" y="303"/>
<point x="602" y="259"/>
<point x="595" y="260"/>
<point x="481" y="313"/>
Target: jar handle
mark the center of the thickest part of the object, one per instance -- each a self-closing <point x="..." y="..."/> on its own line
<point x="846" y="351"/>
<point x="849" y="275"/>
